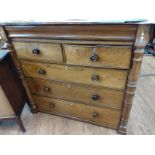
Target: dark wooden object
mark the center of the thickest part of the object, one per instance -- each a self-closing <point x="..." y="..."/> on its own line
<point x="12" y="88"/>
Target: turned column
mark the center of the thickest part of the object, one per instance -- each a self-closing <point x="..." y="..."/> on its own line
<point x="6" y="45"/>
<point x="142" y="38"/>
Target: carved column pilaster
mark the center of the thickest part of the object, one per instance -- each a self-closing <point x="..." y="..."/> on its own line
<point x="6" y="45"/>
<point x="142" y="39"/>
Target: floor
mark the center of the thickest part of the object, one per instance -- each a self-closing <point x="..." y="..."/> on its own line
<point x="142" y="118"/>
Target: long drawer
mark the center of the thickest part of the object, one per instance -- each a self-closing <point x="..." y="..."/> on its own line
<point x="47" y="52"/>
<point x="110" y="78"/>
<point x="94" y="96"/>
<point x="100" y="116"/>
<point x="99" y="56"/>
<point x="105" y="32"/>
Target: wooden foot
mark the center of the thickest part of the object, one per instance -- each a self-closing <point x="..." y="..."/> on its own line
<point x="122" y="129"/>
<point x="20" y="123"/>
<point x="33" y="109"/>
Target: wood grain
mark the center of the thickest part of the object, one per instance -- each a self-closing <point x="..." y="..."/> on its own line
<point x="48" y="52"/>
<point x="110" y="78"/>
<point x="82" y="32"/>
<point x="105" y="116"/>
<point x="141" y="121"/>
<point x="76" y="42"/>
<point x="108" y="56"/>
<point x="142" y="38"/>
<point x="75" y="92"/>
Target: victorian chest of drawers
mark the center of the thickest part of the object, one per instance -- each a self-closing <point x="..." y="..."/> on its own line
<point x="84" y="71"/>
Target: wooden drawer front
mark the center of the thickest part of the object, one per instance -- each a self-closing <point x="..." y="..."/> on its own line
<point x="113" y="57"/>
<point x="101" y="116"/>
<point x="103" y="32"/>
<point x="74" y="92"/>
<point x="39" y="51"/>
<point x="105" y="77"/>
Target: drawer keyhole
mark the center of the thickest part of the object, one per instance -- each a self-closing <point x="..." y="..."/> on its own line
<point x="95" y="114"/>
<point x="95" y="97"/>
<point x="51" y="105"/>
<point x="95" y="77"/>
<point x="47" y="89"/>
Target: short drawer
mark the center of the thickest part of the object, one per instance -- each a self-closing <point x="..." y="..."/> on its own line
<point x="110" y="78"/>
<point x="99" y="56"/>
<point x="49" y="52"/>
<point x="100" y="116"/>
<point x="94" y="96"/>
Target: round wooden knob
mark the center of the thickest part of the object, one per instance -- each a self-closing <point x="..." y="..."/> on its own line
<point x="36" y="51"/>
<point x="95" y="97"/>
<point x="42" y="71"/>
<point x="51" y="105"/>
<point x="95" y="77"/>
<point x="95" y="114"/>
<point x="47" y="89"/>
<point x="94" y="58"/>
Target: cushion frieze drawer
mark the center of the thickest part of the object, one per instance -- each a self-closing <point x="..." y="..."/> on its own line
<point x="101" y="116"/>
<point x="108" y="32"/>
<point x="99" y="56"/>
<point x="90" y="95"/>
<point x="48" y="52"/>
<point x="110" y="78"/>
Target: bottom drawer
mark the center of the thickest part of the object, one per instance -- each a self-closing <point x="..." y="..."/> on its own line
<point x="100" y="116"/>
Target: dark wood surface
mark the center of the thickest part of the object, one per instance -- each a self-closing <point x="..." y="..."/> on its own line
<point x="11" y="84"/>
<point x="12" y="87"/>
<point x="79" y="32"/>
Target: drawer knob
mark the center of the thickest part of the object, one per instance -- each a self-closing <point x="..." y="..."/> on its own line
<point x="42" y="71"/>
<point x="94" y="58"/>
<point x="95" y="114"/>
<point x="95" y="77"/>
<point x="51" y="105"/>
<point x="47" y="89"/>
<point x="36" y="51"/>
<point x="95" y="97"/>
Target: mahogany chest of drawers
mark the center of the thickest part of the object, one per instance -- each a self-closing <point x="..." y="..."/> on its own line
<point x="84" y="71"/>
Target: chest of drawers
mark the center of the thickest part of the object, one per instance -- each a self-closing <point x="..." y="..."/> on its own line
<point x="83" y="71"/>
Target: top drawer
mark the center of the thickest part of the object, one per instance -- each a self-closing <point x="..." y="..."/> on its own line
<point x="48" y="52"/>
<point x="99" y="56"/>
<point x="104" y="32"/>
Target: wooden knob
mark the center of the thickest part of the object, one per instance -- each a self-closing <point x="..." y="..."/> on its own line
<point x="42" y="71"/>
<point x="95" y="97"/>
<point x="94" y="58"/>
<point x="95" y="77"/>
<point x="95" y="114"/>
<point x="51" y="105"/>
<point x="47" y="89"/>
<point x="36" y="51"/>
